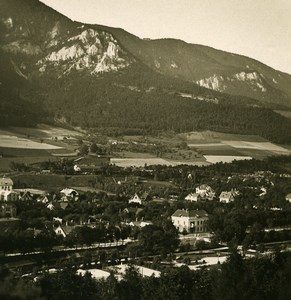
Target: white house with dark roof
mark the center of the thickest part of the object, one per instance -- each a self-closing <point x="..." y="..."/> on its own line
<point x="205" y="191"/>
<point x="226" y="197"/>
<point x="68" y="194"/>
<point x="63" y="230"/>
<point x="193" y="197"/>
<point x="135" y="199"/>
<point x="192" y="221"/>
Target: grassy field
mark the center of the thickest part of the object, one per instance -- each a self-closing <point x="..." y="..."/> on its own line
<point x="9" y="141"/>
<point x="224" y="158"/>
<point x="34" y="145"/>
<point x="224" y="147"/>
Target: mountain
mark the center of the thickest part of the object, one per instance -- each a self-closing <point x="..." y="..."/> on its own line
<point x="210" y="68"/>
<point x="57" y="70"/>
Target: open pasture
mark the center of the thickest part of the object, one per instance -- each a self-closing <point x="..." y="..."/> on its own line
<point x="224" y="147"/>
<point x="44" y="131"/>
<point x="267" y="146"/>
<point x="224" y="158"/>
<point x="10" y="141"/>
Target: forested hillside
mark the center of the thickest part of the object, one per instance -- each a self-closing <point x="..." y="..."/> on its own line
<point x="119" y="102"/>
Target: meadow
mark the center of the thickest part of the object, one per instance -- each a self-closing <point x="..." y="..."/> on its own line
<point x="224" y="147"/>
<point x="34" y="145"/>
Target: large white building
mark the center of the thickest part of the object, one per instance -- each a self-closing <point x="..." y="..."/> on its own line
<point x="6" y="184"/>
<point x="6" y="190"/>
<point x="192" y="221"/>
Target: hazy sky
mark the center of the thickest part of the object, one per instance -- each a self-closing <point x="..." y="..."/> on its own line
<point x="260" y="29"/>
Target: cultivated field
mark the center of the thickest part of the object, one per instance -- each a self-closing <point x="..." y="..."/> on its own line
<point x="9" y="141"/>
<point x="224" y="147"/>
<point x="33" y="145"/>
<point x="224" y="158"/>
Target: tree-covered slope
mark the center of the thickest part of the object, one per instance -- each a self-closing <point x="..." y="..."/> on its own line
<point x="94" y="76"/>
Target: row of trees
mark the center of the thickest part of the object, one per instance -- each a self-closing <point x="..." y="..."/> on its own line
<point x="265" y="278"/>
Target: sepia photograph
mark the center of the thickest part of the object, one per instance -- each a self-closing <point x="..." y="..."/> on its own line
<point x="145" y="149"/>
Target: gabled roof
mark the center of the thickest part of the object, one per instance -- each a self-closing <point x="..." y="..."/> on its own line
<point x="69" y="192"/>
<point x="226" y="194"/>
<point x="6" y="181"/>
<point x="204" y="187"/>
<point x="190" y="213"/>
<point x="133" y="210"/>
<point x="66" y="229"/>
<point x="192" y="195"/>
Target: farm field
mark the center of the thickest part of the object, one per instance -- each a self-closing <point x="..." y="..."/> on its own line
<point x="224" y="158"/>
<point x="223" y="147"/>
<point x="34" y="145"/>
<point x="23" y="143"/>
<point x="139" y="162"/>
<point x="45" y="131"/>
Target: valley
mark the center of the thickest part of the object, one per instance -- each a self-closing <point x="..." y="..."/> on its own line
<point x="35" y="145"/>
<point x="139" y="168"/>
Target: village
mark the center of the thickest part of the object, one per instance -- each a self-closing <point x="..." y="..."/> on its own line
<point x="145" y="216"/>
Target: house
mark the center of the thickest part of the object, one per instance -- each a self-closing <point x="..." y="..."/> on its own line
<point x="6" y="184"/>
<point x="288" y="198"/>
<point x="57" y="205"/>
<point x="50" y="206"/>
<point x="63" y="230"/>
<point x="25" y="196"/>
<point x="7" y="210"/>
<point x="226" y="197"/>
<point x="8" y="195"/>
<point x="43" y="198"/>
<point x="205" y="192"/>
<point x="191" y="221"/>
<point x="135" y="199"/>
<point x="193" y="197"/>
<point x="69" y="194"/>
<point x="6" y="190"/>
<point x="57" y="220"/>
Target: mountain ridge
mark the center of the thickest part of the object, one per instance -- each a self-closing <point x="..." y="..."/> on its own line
<point x="92" y="76"/>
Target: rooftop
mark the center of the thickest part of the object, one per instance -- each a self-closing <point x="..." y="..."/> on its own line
<point x="190" y="213"/>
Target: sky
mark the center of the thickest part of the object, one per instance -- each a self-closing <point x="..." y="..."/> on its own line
<point x="260" y="29"/>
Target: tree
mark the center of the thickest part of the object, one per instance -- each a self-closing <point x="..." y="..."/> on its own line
<point x="93" y="148"/>
<point x="84" y="150"/>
